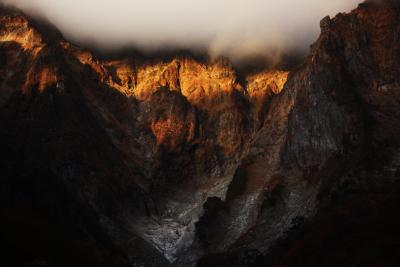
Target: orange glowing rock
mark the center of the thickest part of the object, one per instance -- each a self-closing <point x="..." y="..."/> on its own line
<point x="152" y="77"/>
<point x="43" y="78"/>
<point x="172" y="131"/>
<point x="200" y="81"/>
<point x="272" y="80"/>
<point x="17" y="29"/>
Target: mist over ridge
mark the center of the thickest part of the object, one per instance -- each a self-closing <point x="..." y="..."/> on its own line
<point x="244" y="31"/>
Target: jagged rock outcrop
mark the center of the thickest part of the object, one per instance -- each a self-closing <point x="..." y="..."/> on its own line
<point x="178" y="163"/>
<point x="328" y="138"/>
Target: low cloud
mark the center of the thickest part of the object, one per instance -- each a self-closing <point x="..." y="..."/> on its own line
<point x="237" y="29"/>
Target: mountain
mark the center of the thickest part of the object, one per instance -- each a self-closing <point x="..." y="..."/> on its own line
<point x="185" y="162"/>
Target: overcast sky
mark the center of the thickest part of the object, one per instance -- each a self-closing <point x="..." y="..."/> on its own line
<point x="234" y="28"/>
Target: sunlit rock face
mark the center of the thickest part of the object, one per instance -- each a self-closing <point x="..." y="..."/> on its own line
<point x="191" y="124"/>
<point x="178" y="162"/>
<point x="17" y="29"/>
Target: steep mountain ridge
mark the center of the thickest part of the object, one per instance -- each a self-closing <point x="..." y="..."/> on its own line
<point x="163" y="121"/>
<point x="164" y="163"/>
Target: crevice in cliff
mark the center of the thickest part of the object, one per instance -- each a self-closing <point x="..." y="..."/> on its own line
<point x="238" y="183"/>
<point x="203" y="225"/>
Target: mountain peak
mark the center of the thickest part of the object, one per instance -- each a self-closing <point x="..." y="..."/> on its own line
<point x="16" y="28"/>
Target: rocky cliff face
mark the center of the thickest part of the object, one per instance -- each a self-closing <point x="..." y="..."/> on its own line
<point x="178" y="163"/>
